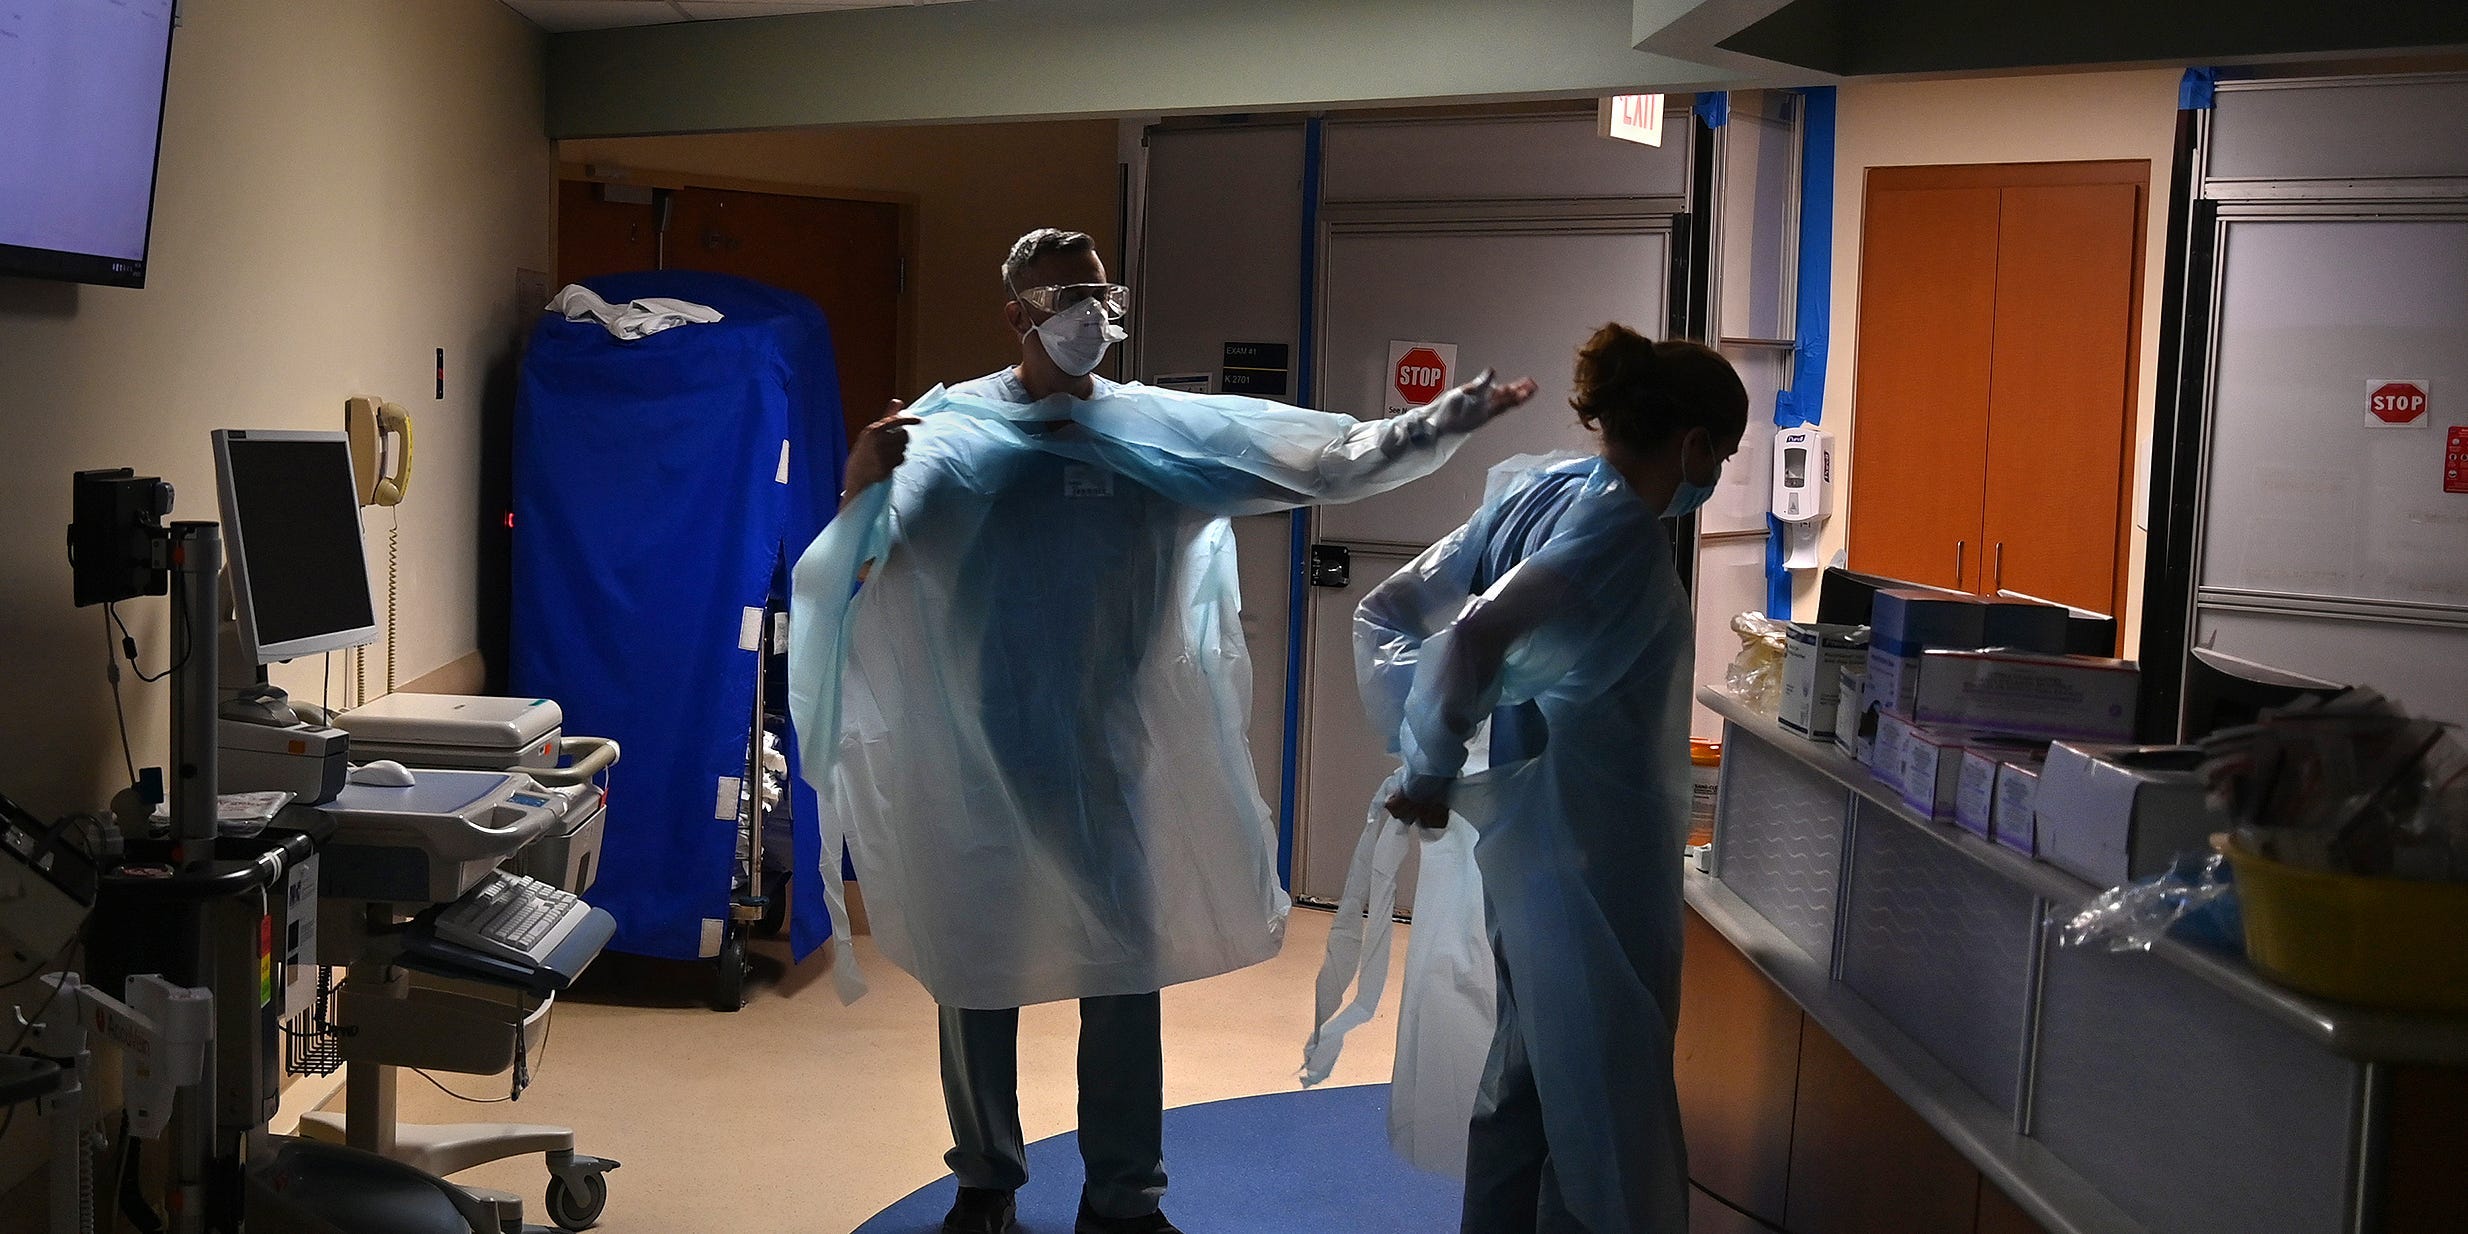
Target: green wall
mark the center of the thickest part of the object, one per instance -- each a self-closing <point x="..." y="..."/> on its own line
<point x="1020" y="59"/>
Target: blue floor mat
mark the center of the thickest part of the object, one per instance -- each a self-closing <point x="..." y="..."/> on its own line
<point x="1286" y="1163"/>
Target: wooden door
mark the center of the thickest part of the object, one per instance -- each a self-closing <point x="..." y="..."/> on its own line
<point x="596" y="236"/>
<point x="1736" y="1063"/>
<point x="1862" y="1162"/>
<point x="844" y="255"/>
<point x="1999" y="1214"/>
<point x="1999" y="307"/>
<point x="2060" y="407"/>
<point x="1928" y="294"/>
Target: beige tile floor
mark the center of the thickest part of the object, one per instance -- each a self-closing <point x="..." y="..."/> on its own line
<point x="800" y="1114"/>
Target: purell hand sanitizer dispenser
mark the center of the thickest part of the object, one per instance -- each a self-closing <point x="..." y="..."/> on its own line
<point x="1803" y="492"/>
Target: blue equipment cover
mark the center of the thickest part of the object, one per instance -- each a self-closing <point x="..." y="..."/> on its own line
<point x="662" y="488"/>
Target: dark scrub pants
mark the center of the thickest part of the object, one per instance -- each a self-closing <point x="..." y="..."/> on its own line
<point x="1122" y="1101"/>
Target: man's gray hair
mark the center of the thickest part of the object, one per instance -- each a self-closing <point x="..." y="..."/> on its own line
<point x="1038" y="245"/>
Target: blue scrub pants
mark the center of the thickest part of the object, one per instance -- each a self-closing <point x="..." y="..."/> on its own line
<point x="1510" y="1186"/>
<point x="1122" y="1101"/>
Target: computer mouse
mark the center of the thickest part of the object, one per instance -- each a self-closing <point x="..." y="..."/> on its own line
<point x="383" y="773"/>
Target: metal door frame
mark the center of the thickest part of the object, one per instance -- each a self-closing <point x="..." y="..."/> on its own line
<point x="2201" y="210"/>
<point x="2198" y="597"/>
<point x="1624" y="216"/>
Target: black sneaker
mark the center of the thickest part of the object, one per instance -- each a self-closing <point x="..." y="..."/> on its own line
<point x="1148" y="1223"/>
<point x="981" y="1211"/>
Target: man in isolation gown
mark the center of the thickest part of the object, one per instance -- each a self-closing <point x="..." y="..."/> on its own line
<point x="1028" y="722"/>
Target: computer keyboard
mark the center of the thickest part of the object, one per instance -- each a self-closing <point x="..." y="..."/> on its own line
<point x="512" y="918"/>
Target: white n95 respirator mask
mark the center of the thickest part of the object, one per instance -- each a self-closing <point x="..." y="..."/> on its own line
<point x="1076" y="338"/>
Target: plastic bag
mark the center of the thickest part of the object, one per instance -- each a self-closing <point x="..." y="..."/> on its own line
<point x="2136" y="915"/>
<point x="1755" y="676"/>
<point x="1359" y="940"/>
<point x="1447" y="1009"/>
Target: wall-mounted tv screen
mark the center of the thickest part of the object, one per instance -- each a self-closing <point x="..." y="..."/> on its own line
<point x="81" y="115"/>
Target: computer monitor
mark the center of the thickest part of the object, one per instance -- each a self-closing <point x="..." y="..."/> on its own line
<point x="1845" y="597"/>
<point x="291" y="538"/>
<point x="2086" y="633"/>
<point x="2225" y="691"/>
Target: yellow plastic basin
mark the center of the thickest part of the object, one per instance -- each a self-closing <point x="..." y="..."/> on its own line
<point x="2382" y="942"/>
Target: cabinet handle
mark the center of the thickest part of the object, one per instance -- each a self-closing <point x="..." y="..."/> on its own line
<point x="1959" y="546"/>
<point x="1999" y="584"/>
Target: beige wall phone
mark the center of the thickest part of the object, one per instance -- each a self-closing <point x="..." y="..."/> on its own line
<point x="380" y="433"/>
<point x="382" y="469"/>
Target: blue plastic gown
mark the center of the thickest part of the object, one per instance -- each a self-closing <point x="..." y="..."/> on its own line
<point x="1535" y="665"/>
<point x="1028" y="722"/>
<point x="661" y="485"/>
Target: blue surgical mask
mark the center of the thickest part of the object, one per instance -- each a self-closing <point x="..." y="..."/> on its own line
<point x="1689" y="495"/>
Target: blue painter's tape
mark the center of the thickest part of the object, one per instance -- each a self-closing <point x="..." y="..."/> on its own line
<point x="1816" y="273"/>
<point x="1298" y="587"/>
<point x="1777" y="579"/>
<point x="2195" y="91"/>
<point x="1804" y="402"/>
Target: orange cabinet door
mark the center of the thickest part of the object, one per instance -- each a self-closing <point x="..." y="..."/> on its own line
<point x="1737" y="1065"/>
<point x="1928" y="295"/>
<point x="2062" y="391"/>
<point x="1999" y="1214"/>
<point x="1862" y="1162"/>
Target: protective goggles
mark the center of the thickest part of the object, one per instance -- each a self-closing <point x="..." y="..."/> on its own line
<point x="1113" y="299"/>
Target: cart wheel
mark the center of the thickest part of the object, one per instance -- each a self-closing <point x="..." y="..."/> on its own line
<point x="775" y="904"/>
<point x="575" y="1208"/>
<point x="728" y="986"/>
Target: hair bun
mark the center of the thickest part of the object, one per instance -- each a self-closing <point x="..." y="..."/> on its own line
<point x="1641" y="392"/>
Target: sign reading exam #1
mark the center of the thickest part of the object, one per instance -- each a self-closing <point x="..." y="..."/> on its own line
<point x="1256" y="369"/>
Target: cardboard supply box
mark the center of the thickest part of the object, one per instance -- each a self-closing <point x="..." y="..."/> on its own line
<point x="1855" y="726"/>
<point x="2111" y="814"/>
<point x="1975" y="798"/>
<point x="1983" y="765"/>
<point x="1814" y="657"/>
<point x="2029" y="696"/>
<point x="1887" y="752"/>
<point x="1906" y="622"/>
<point x="2014" y="823"/>
<point x="1936" y="762"/>
<point x="1932" y="770"/>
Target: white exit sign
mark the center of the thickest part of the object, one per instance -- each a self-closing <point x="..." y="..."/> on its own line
<point x="1633" y="117"/>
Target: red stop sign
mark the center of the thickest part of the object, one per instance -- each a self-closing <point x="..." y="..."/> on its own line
<point x="1420" y="375"/>
<point x="2396" y="402"/>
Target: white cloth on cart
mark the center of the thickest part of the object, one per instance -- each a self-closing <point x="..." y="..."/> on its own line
<point x="633" y="319"/>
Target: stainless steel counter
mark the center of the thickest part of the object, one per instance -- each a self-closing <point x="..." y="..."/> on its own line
<point x="2171" y="1091"/>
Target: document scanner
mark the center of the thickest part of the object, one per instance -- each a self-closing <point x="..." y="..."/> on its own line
<point x="456" y="730"/>
<point x="430" y="841"/>
<point x="482" y="733"/>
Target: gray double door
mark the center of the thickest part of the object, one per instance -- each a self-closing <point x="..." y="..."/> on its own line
<point x="2323" y="539"/>
<point x="1510" y="238"/>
